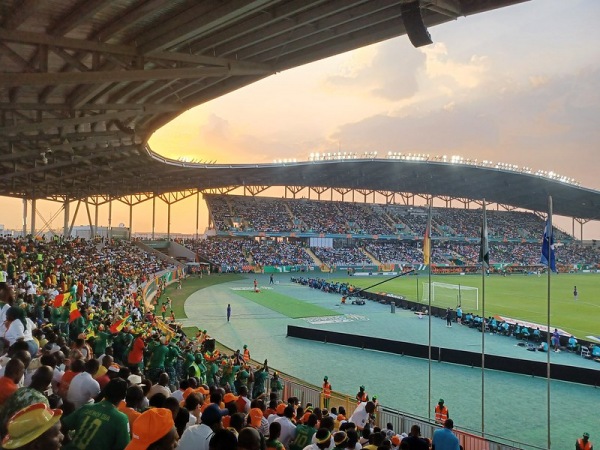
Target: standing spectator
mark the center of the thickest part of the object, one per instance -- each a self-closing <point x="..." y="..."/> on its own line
<point x="276" y="385"/>
<point x="444" y="439"/>
<point x="584" y="443"/>
<point x="326" y="392"/>
<point x="441" y="412"/>
<point x="288" y="429"/>
<point x="448" y="317"/>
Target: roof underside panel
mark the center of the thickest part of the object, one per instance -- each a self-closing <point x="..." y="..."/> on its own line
<point x="84" y="84"/>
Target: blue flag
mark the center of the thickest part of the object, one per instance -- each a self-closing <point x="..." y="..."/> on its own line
<point x="548" y="248"/>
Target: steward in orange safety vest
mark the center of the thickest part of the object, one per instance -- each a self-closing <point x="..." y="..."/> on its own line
<point x="362" y="396"/>
<point x="246" y="354"/>
<point x="584" y="443"/>
<point x="326" y="392"/>
<point x="441" y="412"/>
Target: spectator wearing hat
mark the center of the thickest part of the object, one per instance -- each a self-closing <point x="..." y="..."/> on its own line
<point x="441" y="412"/>
<point x="362" y="395"/>
<point x="584" y="443"/>
<point x="339" y="440"/>
<point x="444" y="439"/>
<point x="26" y="396"/>
<point x="279" y="410"/>
<point x="322" y="440"/>
<point x="100" y="426"/>
<point x="154" y="430"/>
<point x="288" y="428"/>
<point x="197" y="437"/>
<point x="35" y="427"/>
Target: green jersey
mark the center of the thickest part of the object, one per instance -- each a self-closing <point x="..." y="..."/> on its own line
<point x="304" y="435"/>
<point x="172" y="355"/>
<point x="159" y="355"/>
<point x="101" y="342"/>
<point x="98" y="426"/>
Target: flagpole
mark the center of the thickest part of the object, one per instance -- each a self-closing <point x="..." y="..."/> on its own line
<point x="429" y="307"/>
<point x="484" y="249"/>
<point x="549" y="234"/>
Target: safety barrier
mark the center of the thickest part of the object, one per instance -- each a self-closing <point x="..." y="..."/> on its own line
<point x="402" y="422"/>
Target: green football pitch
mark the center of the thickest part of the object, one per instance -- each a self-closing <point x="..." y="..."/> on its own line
<point x="522" y="297"/>
<point x="286" y="305"/>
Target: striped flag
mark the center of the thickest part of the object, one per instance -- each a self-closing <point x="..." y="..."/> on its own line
<point x="61" y="299"/>
<point x="89" y="331"/>
<point x="427" y="240"/>
<point x="118" y="325"/>
<point x="74" y="313"/>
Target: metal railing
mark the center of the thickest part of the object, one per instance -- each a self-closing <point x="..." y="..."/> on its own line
<point x="469" y="439"/>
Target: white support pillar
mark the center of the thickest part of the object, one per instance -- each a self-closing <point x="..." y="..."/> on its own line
<point x="153" y="215"/>
<point x="131" y="219"/>
<point x="66" y="218"/>
<point x="197" y="212"/>
<point x="169" y="221"/>
<point x="110" y="219"/>
<point x="96" y="218"/>
<point x="24" y="217"/>
<point x="33" y="206"/>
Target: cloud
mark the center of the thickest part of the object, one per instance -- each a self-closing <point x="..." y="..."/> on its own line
<point x="545" y="125"/>
<point x="391" y="74"/>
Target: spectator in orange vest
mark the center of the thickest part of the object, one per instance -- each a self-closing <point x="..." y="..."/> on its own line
<point x="584" y="443"/>
<point x="326" y="392"/>
<point x="441" y="412"/>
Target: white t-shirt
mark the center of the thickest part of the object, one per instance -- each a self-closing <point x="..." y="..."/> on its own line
<point x="360" y="417"/>
<point x="196" y="437"/>
<point x="288" y="430"/>
<point x="82" y="389"/>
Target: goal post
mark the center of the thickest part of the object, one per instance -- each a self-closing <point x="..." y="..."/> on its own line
<point x="446" y="294"/>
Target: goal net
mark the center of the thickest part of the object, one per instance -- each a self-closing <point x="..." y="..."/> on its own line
<point x="452" y="295"/>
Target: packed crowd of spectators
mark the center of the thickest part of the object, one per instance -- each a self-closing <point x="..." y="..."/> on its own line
<point x="264" y="214"/>
<point x="342" y="256"/>
<point x="241" y="254"/>
<point x="98" y="378"/>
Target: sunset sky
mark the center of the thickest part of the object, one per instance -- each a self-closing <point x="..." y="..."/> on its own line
<point x="519" y="85"/>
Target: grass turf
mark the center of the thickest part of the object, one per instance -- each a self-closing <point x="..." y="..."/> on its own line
<point x="283" y="304"/>
<point x="516" y="296"/>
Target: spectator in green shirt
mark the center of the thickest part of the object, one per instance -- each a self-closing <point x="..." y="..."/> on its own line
<point x="100" y="426"/>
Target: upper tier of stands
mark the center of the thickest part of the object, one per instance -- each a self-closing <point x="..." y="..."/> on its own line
<point x="263" y="214"/>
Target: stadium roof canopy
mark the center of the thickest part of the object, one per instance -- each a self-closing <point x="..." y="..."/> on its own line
<point x="84" y="84"/>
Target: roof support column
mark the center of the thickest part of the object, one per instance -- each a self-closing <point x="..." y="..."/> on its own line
<point x="153" y="215"/>
<point x="74" y="217"/>
<point x="96" y="218"/>
<point x="33" y="212"/>
<point x="168" y="221"/>
<point x="197" y="212"/>
<point x="66" y="218"/>
<point x="110" y="219"/>
<point x="87" y="208"/>
<point x="24" y="217"/>
<point x="131" y="219"/>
